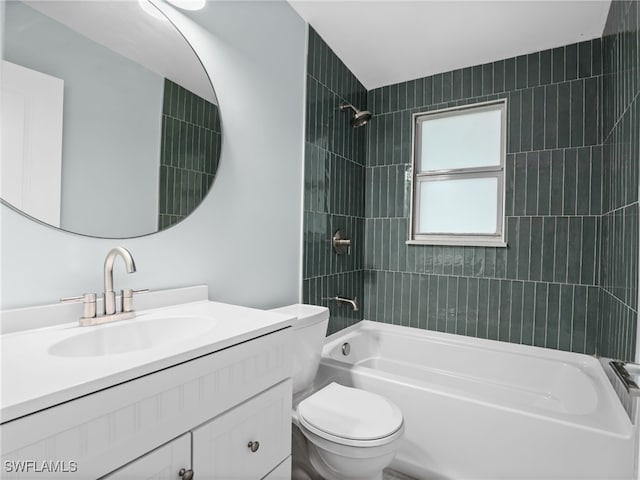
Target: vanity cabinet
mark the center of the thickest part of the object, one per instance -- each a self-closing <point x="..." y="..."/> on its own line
<point x="206" y="409"/>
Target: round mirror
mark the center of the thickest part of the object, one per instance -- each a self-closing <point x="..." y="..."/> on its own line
<point x="110" y="125"/>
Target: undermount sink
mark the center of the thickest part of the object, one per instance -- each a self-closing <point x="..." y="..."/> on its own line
<point x="131" y="336"/>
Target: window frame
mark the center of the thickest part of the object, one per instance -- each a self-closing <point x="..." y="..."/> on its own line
<point x="496" y="239"/>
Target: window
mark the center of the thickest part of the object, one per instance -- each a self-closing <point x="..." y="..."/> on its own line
<point x="458" y="176"/>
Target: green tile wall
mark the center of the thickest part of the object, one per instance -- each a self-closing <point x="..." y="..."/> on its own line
<point x="569" y="277"/>
<point x="540" y="290"/>
<point x="191" y="141"/>
<point x="621" y="160"/>
<point x="334" y="184"/>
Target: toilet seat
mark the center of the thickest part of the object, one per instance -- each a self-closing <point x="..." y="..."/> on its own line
<point x="351" y="416"/>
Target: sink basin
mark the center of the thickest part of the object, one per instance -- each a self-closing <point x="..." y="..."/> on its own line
<point x="131" y="336"/>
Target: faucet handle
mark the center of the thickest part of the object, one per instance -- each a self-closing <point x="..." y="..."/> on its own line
<point x="88" y="303"/>
<point x="126" y="298"/>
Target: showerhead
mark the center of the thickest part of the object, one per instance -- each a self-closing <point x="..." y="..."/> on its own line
<point x="360" y="117"/>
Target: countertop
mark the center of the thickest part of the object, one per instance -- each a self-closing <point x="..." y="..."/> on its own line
<point x="34" y="379"/>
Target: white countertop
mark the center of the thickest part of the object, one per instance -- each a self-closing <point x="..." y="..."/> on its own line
<point x="33" y="379"/>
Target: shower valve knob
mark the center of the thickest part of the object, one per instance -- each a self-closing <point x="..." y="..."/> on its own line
<point x="341" y="244"/>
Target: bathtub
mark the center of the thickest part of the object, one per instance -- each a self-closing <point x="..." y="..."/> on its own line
<point x="482" y="409"/>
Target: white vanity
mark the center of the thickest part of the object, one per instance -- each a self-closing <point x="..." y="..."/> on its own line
<point x="194" y="390"/>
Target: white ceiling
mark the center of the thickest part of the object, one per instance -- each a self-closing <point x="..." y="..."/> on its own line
<point x="386" y="42"/>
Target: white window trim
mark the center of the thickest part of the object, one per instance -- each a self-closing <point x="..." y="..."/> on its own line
<point x="481" y="240"/>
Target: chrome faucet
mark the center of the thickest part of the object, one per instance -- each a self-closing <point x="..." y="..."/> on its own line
<point x="349" y="301"/>
<point x="109" y="294"/>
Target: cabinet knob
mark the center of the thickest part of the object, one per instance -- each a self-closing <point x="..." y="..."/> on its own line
<point x="254" y="446"/>
<point x="185" y="474"/>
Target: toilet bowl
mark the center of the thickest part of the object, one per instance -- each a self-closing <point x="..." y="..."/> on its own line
<point x="352" y="434"/>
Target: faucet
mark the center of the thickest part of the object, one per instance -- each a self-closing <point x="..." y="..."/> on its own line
<point x="340" y="299"/>
<point x="109" y="294"/>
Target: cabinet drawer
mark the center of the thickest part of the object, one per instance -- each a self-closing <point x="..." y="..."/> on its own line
<point x="163" y="463"/>
<point x="222" y="448"/>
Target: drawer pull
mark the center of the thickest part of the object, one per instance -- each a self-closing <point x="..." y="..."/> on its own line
<point x="254" y="446"/>
<point x="185" y="474"/>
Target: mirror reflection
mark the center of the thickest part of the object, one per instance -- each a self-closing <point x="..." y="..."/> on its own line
<point x="110" y="124"/>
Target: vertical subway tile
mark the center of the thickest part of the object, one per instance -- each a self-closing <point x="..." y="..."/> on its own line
<point x="524" y="247"/>
<point x="544" y="183"/>
<point x="583" y="181"/>
<point x="558" y="64"/>
<point x="521" y="72"/>
<point x="471" y="326"/>
<point x="570" y="181"/>
<point x="557" y="182"/>
<point x="589" y="251"/>
<point x="494" y="307"/>
<point x="476" y="85"/>
<point x="447" y="86"/>
<point x="561" y="248"/>
<point x="487" y="79"/>
<point x="520" y="184"/>
<point x="535" y="258"/>
<point x="531" y="206"/>
<point x="512" y="247"/>
<point x="584" y="59"/>
<point x="509" y="74"/>
<point x="574" y="259"/>
<point x="526" y="119"/>
<point x="540" y="315"/>
<point x="505" y="310"/>
<point x="545" y="67"/>
<point x="577" y="113"/>
<point x="566" y="317"/>
<point x="551" y="117"/>
<point x="528" y="313"/>
<point x="515" y="319"/>
<point x="579" y="315"/>
<point x="483" y="307"/>
<point x="533" y="69"/>
<point x="499" y="76"/>
<point x="571" y="62"/>
<point x="564" y="115"/>
<point x="538" y="124"/>
<point x="514" y="113"/>
<point x="553" y="315"/>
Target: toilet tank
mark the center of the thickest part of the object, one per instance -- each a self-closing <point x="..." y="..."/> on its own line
<point x="309" y="331"/>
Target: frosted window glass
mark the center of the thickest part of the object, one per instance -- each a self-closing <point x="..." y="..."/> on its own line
<point x="459" y="206"/>
<point x="461" y="141"/>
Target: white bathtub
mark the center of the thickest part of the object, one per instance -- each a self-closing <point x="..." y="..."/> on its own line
<point x="481" y="409"/>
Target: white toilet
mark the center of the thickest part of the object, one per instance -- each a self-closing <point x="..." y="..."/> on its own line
<point x="352" y="434"/>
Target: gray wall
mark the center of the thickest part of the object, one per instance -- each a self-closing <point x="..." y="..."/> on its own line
<point x="244" y="239"/>
<point x="106" y="97"/>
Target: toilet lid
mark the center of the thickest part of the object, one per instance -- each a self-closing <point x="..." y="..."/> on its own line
<point x="350" y="413"/>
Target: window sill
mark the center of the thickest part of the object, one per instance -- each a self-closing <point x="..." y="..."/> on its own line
<point x="459" y="243"/>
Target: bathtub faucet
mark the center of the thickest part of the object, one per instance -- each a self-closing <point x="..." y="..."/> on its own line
<point x="353" y="302"/>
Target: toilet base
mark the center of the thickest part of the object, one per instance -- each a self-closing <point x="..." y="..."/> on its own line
<point x="329" y="473"/>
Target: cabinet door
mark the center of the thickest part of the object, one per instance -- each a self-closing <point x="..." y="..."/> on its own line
<point x="248" y="441"/>
<point x="163" y="463"/>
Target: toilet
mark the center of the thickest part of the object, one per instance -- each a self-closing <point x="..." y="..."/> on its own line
<point x="352" y="434"/>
